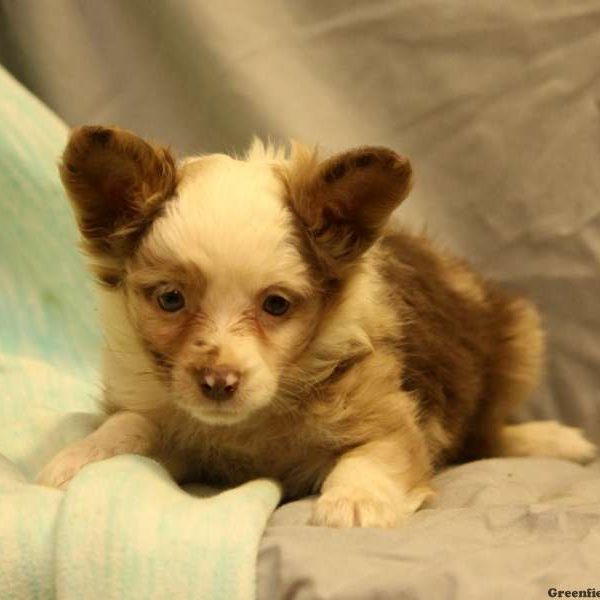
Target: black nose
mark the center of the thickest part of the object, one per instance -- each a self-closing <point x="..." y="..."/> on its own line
<point x="218" y="383"/>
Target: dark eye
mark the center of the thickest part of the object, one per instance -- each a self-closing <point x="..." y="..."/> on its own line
<point x="276" y="305"/>
<point x="171" y="301"/>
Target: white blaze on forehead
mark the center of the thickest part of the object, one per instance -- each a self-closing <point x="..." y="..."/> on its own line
<point x="231" y="220"/>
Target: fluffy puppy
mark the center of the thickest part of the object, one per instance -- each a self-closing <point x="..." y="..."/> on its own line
<point x="261" y="320"/>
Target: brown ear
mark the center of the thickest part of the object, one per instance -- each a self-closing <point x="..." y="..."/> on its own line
<point x="117" y="182"/>
<point x="344" y="202"/>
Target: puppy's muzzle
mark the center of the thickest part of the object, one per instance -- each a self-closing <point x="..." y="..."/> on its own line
<point x="218" y="383"/>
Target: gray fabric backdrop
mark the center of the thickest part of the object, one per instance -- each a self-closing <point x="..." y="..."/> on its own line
<point x="497" y="103"/>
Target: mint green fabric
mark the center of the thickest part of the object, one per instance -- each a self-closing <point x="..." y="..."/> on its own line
<point x="123" y="529"/>
<point x="47" y="319"/>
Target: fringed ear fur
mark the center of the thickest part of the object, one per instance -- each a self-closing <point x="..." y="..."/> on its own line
<point x="117" y="183"/>
<point x="344" y="202"/>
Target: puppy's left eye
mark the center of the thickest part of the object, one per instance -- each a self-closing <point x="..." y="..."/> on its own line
<point x="276" y="305"/>
<point x="171" y="301"/>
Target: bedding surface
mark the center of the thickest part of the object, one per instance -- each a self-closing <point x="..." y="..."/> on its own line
<point x="499" y="528"/>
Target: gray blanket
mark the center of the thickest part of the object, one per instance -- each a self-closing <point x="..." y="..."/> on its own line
<point x="499" y="528"/>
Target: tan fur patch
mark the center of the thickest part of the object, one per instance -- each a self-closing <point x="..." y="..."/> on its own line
<point x="463" y="280"/>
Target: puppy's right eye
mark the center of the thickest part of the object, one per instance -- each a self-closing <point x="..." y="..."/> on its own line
<point x="276" y="305"/>
<point x="171" y="301"/>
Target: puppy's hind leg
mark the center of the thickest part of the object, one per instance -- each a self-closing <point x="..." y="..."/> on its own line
<point x="546" y="438"/>
<point x="517" y="371"/>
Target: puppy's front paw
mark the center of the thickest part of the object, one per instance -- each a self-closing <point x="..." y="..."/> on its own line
<point x="353" y="507"/>
<point x="69" y="461"/>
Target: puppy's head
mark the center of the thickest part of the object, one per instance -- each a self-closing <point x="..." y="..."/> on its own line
<point x="227" y="267"/>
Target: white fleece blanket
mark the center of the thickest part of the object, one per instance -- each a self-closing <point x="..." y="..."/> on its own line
<point x="123" y="529"/>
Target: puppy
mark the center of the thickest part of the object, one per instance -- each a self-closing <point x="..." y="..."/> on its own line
<point x="261" y="320"/>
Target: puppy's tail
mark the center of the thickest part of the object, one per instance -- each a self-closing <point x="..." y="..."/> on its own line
<point x="546" y="438"/>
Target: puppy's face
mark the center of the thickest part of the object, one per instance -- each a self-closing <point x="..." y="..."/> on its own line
<point x="227" y="266"/>
<point x="219" y="291"/>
